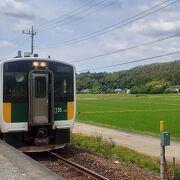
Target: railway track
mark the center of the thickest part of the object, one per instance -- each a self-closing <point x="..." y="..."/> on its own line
<point x="70" y="163"/>
<point x="85" y="171"/>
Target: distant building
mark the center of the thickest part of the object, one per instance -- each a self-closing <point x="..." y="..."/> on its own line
<point x="177" y="86"/>
<point x="118" y="90"/>
<point x="128" y="91"/>
<point x="85" y="91"/>
<point x="174" y="89"/>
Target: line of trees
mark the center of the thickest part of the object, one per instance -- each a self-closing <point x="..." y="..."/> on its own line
<point x="148" y="79"/>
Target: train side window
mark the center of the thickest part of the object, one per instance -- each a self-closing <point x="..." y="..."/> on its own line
<point x="40" y="87"/>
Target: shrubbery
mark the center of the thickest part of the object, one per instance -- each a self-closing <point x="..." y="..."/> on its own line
<point x="154" y="87"/>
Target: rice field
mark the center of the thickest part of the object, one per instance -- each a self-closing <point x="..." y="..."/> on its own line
<point x="136" y="113"/>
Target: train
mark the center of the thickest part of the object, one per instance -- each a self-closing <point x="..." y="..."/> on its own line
<point x="37" y="102"/>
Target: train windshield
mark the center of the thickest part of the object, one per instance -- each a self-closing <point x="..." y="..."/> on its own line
<point x="15" y="88"/>
<point x="63" y="87"/>
<point x="63" y="83"/>
<point x="16" y="81"/>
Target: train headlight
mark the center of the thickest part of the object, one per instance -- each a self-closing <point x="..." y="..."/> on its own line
<point x="35" y="64"/>
<point x="43" y="64"/>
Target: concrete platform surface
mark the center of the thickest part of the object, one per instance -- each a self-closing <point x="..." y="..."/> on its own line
<point x="14" y="165"/>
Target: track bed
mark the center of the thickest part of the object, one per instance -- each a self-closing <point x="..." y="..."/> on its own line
<point x="106" y="168"/>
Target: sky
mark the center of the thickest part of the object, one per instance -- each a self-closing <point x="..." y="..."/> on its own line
<point x="81" y="32"/>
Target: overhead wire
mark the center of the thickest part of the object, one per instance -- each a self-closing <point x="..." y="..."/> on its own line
<point x="124" y="49"/>
<point x="130" y="62"/>
<point x="17" y="38"/>
<point x="73" y="13"/>
<point x="112" y="27"/>
<point x="15" y="48"/>
<point x="41" y="25"/>
<point x="143" y="44"/>
<point x="73" y="19"/>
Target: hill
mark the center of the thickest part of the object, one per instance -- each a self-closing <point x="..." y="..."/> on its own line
<point x="154" y="78"/>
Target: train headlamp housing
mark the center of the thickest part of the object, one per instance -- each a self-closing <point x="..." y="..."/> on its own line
<point x="37" y="64"/>
<point x="43" y="64"/>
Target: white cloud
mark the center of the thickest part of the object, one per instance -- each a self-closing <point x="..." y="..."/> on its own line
<point x="155" y="27"/>
<point x="6" y="44"/>
<point x="22" y="24"/>
<point x="115" y="45"/>
<point x="15" y="8"/>
<point x="64" y="30"/>
<point x="173" y="49"/>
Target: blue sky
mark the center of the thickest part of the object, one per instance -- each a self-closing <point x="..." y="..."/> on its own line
<point x="60" y="21"/>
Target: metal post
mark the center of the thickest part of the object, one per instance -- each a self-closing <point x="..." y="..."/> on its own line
<point x="32" y="34"/>
<point x="162" y="153"/>
<point x="174" y="167"/>
<point x="165" y="141"/>
<point x="162" y="163"/>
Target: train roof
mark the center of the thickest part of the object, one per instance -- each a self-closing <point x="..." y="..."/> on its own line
<point x="35" y="59"/>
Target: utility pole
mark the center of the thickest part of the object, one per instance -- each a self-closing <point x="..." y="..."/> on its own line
<point x="32" y="33"/>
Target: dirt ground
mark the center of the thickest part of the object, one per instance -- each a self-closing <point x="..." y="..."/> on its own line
<point x="107" y="168"/>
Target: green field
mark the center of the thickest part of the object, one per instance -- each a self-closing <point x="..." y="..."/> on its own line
<point x="137" y="113"/>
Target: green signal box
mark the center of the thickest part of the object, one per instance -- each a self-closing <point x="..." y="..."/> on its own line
<point x="165" y="138"/>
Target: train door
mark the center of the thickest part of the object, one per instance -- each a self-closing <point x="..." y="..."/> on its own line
<point x="41" y="97"/>
<point x="40" y="100"/>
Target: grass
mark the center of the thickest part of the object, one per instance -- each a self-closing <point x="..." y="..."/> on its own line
<point x="110" y="150"/>
<point x="137" y="113"/>
<point x="115" y="152"/>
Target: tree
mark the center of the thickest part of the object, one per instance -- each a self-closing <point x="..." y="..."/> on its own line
<point x="154" y="78"/>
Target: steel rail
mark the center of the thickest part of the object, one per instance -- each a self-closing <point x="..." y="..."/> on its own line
<point x="80" y="168"/>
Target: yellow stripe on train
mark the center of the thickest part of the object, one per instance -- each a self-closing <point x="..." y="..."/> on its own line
<point x="7" y="112"/>
<point x="70" y="110"/>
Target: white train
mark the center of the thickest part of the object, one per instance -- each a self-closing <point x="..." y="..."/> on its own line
<point x="37" y="102"/>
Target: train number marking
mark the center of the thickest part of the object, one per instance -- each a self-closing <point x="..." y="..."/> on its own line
<point x="57" y="110"/>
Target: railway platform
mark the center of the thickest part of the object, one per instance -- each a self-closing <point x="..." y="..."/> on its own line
<point x="16" y="165"/>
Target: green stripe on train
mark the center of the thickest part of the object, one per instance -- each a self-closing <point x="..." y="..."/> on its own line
<point x="60" y="111"/>
<point x="19" y="112"/>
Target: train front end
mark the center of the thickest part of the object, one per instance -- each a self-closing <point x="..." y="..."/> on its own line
<point x="38" y="103"/>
